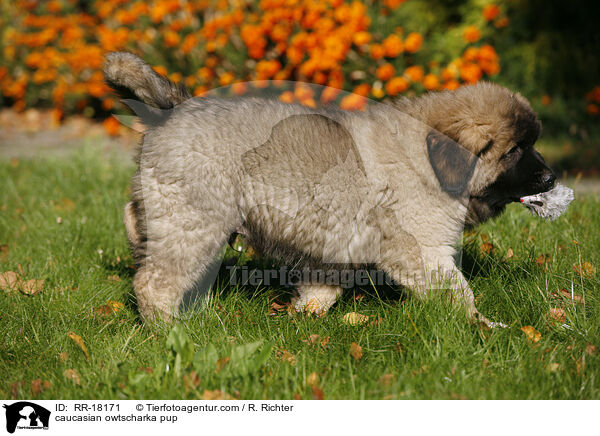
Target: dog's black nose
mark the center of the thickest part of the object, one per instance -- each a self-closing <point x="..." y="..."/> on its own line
<point x="548" y="179"/>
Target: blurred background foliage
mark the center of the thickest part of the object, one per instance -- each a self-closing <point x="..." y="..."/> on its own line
<point x="51" y="53"/>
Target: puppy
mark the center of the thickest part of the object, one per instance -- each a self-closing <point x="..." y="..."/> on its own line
<point x="391" y="186"/>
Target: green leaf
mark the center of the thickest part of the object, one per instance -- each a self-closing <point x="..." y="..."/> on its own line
<point x="206" y="358"/>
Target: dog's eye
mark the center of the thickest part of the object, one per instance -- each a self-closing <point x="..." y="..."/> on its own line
<point x="512" y="152"/>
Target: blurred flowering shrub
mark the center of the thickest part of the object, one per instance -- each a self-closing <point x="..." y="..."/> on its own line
<point x="52" y="51"/>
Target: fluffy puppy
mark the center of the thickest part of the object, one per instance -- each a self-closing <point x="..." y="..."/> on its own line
<point x="392" y="186"/>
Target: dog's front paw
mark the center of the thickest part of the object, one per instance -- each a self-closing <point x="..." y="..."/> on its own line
<point x="315" y="299"/>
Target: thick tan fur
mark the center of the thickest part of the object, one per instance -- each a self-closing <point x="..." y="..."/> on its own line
<point x="392" y="186"/>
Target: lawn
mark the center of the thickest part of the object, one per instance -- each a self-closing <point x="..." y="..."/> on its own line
<point x="79" y="335"/>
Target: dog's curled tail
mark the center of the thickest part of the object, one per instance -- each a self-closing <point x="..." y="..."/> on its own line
<point x="125" y="71"/>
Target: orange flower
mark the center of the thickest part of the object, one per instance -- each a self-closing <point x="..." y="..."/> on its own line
<point x="309" y="102"/>
<point x="353" y="102"/>
<point x="303" y="91"/>
<point x="592" y="109"/>
<point x="385" y="72"/>
<point x="413" y="42"/>
<point x="171" y="38"/>
<point x="431" y="82"/>
<point x="594" y="94"/>
<point x="329" y="94"/>
<point x="377" y="51"/>
<point x="361" y="38"/>
<point x="451" y="85"/>
<point x="490" y="12"/>
<point x="226" y="78"/>
<point x="363" y="89"/>
<point x="396" y="85"/>
<point x="294" y="55"/>
<point x="97" y="89"/>
<point x="449" y="73"/>
<point x="199" y="91"/>
<point x="378" y="91"/>
<point x="546" y="100"/>
<point x="471" y="34"/>
<point x="176" y="77"/>
<point x="415" y="73"/>
<point x="239" y="88"/>
<point x="393" y="4"/>
<point x="189" y="42"/>
<point x="502" y="22"/>
<point x="267" y="69"/>
<point x="393" y="46"/>
<point x="160" y="70"/>
<point x="470" y="72"/>
<point x="112" y="126"/>
<point x="471" y="54"/>
<point x="287" y="97"/>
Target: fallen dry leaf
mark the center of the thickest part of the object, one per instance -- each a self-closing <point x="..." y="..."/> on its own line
<point x="356" y="351"/>
<point x="591" y="349"/>
<point x="64" y="356"/>
<point x="191" y="381"/>
<point x="585" y="269"/>
<point x="9" y="280"/>
<point x="543" y="260"/>
<point x="79" y="341"/>
<point x="386" y="379"/>
<point x="114" y="278"/>
<point x="312" y="339"/>
<point x="39" y="385"/>
<point x="221" y="363"/>
<point x="286" y="356"/>
<point x="553" y="367"/>
<point x="110" y="308"/>
<point x="32" y="287"/>
<point x="317" y="393"/>
<point x="115" y="305"/>
<point x="486" y="248"/>
<point x="277" y="307"/>
<point x="104" y="310"/>
<point x="325" y="342"/>
<point x="353" y="318"/>
<point x="564" y="294"/>
<point x="557" y="314"/>
<point x="215" y="395"/>
<point x="509" y="253"/>
<point x="72" y="375"/>
<point x="312" y="379"/>
<point x="147" y="369"/>
<point x="532" y="334"/>
<point x="15" y="387"/>
<point x="3" y="251"/>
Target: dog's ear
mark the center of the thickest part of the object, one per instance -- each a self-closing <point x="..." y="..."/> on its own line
<point x="452" y="164"/>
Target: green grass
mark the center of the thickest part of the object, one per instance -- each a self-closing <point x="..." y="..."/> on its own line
<point x="428" y="348"/>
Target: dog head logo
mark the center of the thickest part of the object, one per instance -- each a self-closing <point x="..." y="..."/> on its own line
<point x="26" y="415"/>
